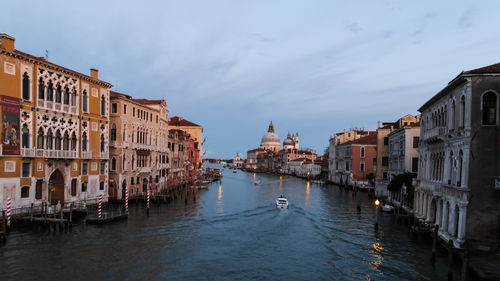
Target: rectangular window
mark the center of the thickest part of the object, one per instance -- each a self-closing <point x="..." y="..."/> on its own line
<point x="132" y="180"/>
<point x="84" y="187"/>
<point x="385" y="161"/>
<point x="415" y="142"/>
<point x="101" y="185"/>
<point x="26" y="170"/>
<point x="124" y="109"/>
<point x="73" y="187"/>
<point x="114" y="108"/>
<point x="362" y="152"/>
<point x="38" y="189"/>
<point x="84" y="168"/>
<point x="103" y="168"/>
<point x="133" y="111"/>
<point x="386" y="140"/>
<point x="362" y="167"/>
<point x="384" y="175"/>
<point x="414" y="164"/>
<point x="25" y="192"/>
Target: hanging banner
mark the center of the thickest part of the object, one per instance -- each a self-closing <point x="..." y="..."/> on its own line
<point x="10" y="126"/>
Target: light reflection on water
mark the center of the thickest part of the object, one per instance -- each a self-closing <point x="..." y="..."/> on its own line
<point x="233" y="231"/>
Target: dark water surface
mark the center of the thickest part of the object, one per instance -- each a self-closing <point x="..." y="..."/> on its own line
<point x="231" y="232"/>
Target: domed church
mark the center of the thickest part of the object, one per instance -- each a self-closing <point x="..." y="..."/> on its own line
<point x="270" y="140"/>
<point x="291" y="142"/>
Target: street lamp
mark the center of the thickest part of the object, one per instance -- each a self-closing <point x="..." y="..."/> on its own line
<point x="377" y="203"/>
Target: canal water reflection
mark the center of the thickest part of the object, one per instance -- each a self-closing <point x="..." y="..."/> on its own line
<point x="232" y="231"/>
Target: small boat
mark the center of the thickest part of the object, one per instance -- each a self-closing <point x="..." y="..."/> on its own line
<point x="234" y="171"/>
<point x="256" y="182"/>
<point x="387" y="208"/>
<point x="281" y="202"/>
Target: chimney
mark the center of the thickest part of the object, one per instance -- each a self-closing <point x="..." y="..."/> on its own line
<point x="7" y="41"/>
<point x="94" y="73"/>
<point x="378" y="124"/>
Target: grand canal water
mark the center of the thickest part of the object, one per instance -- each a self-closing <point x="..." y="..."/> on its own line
<point x="231" y="232"/>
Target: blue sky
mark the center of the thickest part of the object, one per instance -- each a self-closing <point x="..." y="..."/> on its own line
<point x="312" y="67"/>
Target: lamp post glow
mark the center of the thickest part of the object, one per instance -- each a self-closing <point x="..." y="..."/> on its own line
<point x="377" y="203"/>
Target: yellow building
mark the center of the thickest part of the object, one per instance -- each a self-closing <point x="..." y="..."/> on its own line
<point x="54" y="131"/>
<point x="138" y="146"/>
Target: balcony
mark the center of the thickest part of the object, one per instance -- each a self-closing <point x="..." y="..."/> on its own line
<point x="73" y="109"/>
<point x="86" y="154"/>
<point x="144" y="170"/>
<point x="104" y="155"/>
<point x="27" y="152"/>
<point x="141" y="146"/>
<point x="112" y="143"/>
<point x="435" y="134"/>
<point x="125" y="144"/>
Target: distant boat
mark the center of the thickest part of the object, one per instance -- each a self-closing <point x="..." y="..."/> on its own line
<point x="281" y="202"/>
<point x="256" y="182"/>
<point x="387" y="208"/>
<point x="234" y="171"/>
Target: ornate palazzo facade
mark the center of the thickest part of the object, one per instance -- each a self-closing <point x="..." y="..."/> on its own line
<point x="459" y="152"/>
<point x="55" y="144"/>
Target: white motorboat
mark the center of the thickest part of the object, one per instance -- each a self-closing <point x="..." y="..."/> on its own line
<point x="282" y="202"/>
<point x="256" y="182"/>
<point x="387" y="208"/>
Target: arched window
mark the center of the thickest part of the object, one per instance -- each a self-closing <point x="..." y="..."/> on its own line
<point x="362" y="152"/>
<point x="50" y="91"/>
<point x="58" y="140"/>
<point x="41" y="89"/>
<point x="58" y="93"/>
<point x="103" y="105"/>
<point x="73" y="97"/>
<point x="73" y="141"/>
<point x="490" y="109"/>
<point x="49" y="139"/>
<point x="102" y="143"/>
<point x="26" y="86"/>
<point x="113" y="164"/>
<point x="113" y="132"/>
<point x="84" y="101"/>
<point x="25" y="138"/>
<point x="66" y="95"/>
<point x="66" y="141"/>
<point x="40" y="138"/>
<point x="462" y="112"/>
<point x="84" y="142"/>
<point x="452" y="115"/>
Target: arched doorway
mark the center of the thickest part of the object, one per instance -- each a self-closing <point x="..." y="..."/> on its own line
<point x="56" y="188"/>
<point x="113" y="193"/>
<point x="124" y="187"/>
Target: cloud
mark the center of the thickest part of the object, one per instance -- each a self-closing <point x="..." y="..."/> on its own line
<point x="466" y="20"/>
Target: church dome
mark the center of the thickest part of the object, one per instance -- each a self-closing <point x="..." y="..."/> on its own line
<point x="270" y="140"/>
<point x="288" y="141"/>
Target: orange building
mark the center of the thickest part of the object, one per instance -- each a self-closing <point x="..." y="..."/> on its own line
<point x="54" y="131"/>
<point x="356" y="159"/>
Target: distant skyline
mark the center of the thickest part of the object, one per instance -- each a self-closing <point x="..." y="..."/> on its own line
<point x="312" y="67"/>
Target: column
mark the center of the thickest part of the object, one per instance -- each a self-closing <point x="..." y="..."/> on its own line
<point x="438" y="211"/>
<point x="451" y="219"/>
<point x="444" y="218"/>
<point x="462" y="222"/>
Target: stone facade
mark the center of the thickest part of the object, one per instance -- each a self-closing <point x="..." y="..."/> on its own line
<point x="138" y="146"/>
<point x="459" y="160"/>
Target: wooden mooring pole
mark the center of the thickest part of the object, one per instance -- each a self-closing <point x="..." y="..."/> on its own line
<point x="434" y="241"/>
<point x="450" y="259"/>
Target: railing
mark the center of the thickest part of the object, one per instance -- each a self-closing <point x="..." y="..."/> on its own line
<point x="73" y="109"/>
<point x="125" y="144"/>
<point x="434" y="133"/>
<point x="104" y="155"/>
<point x="27" y="152"/>
<point x="41" y="103"/>
<point x="51" y="153"/>
<point x="145" y="170"/>
<point x="112" y="143"/>
<point x="66" y="108"/>
<point x="143" y="146"/>
<point x="86" y="154"/>
<point x="57" y="106"/>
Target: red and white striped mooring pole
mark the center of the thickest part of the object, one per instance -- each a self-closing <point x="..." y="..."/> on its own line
<point x="147" y="201"/>
<point x="99" y="207"/>
<point x="8" y="211"/>
<point x="126" y="200"/>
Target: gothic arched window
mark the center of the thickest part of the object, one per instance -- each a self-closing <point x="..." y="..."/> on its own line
<point x="490" y="109"/>
<point x="66" y="96"/>
<point x="39" y="140"/>
<point x="26" y="86"/>
<point x="41" y="89"/>
<point x="58" y="140"/>
<point x="102" y="143"/>
<point x="25" y="137"/>
<point x="84" y="142"/>
<point x="113" y="164"/>
<point x="58" y="93"/>
<point x="103" y="105"/>
<point x="462" y="112"/>
<point x="84" y="101"/>
<point x="50" y="91"/>
<point x="49" y="139"/>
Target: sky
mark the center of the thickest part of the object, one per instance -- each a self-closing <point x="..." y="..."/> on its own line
<point x="312" y="67"/>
